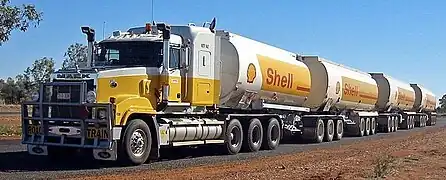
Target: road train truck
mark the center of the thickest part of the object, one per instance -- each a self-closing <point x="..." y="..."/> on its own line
<point x="161" y="86"/>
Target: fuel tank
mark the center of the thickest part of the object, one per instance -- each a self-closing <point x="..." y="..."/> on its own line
<point x="339" y="86"/>
<point x="393" y="94"/>
<point x="424" y="99"/>
<point x="274" y="75"/>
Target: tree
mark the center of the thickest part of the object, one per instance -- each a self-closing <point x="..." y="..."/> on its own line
<point x="13" y="18"/>
<point x="75" y="53"/>
<point x="442" y="102"/>
<point x="9" y="91"/>
<point x="38" y="73"/>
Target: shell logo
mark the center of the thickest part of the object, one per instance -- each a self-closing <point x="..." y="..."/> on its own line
<point x="251" y="73"/>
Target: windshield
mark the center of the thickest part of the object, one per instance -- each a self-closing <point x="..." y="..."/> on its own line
<point x="134" y="53"/>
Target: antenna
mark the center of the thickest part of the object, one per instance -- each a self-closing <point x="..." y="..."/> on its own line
<point x="152" y="10"/>
<point x="103" y="30"/>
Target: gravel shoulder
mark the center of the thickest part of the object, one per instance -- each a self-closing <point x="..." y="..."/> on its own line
<point x="420" y="155"/>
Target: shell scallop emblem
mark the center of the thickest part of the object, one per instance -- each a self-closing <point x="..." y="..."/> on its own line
<point x="251" y="73"/>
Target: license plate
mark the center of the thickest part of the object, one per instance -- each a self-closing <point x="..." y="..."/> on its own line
<point x="33" y="129"/>
<point x="63" y="96"/>
<point x="101" y="133"/>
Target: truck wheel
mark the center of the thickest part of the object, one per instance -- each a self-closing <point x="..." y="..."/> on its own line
<point x="253" y="136"/>
<point x="429" y="121"/>
<point x="136" y="143"/>
<point x="388" y="125"/>
<point x="367" y="127"/>
<point x="271" y="137"/>
<point x="234" y="137"/>
<point x="395" y="124"/>
<point x="360" y="126"/>
<point x="339" y="127"/>
<point x="372" y="126"/>
<point x="329" y="130"/>
<point x="392" y="122"/>
<point x="411" y="123"/>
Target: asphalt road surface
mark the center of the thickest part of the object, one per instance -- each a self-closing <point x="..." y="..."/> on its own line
<point x="15" y="163"/>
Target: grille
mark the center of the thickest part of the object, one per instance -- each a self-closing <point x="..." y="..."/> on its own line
<point x="64" y="94"/>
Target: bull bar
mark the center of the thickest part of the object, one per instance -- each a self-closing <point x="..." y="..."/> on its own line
<point x="42" y="124"/>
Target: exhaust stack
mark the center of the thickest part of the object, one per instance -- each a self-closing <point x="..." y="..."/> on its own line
<point x="90" y="38"/>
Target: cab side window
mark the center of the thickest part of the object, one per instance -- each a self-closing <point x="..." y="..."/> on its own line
<point x="174" y="60"/>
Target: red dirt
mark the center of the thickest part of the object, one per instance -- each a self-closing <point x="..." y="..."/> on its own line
<point x="10" y="108"/>
<point x="422" y="155"/>
<point x="10" y="120"/>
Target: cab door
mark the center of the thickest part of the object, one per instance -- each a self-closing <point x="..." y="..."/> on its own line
<point x="175" y="86"/>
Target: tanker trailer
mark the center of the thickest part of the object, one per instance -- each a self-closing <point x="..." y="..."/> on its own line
<point x="424" y="106"/>
<point x="344" y="93"/>
<point x="395" y="101"/>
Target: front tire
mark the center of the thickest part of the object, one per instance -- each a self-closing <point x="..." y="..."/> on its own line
<point x="136" y="143"/>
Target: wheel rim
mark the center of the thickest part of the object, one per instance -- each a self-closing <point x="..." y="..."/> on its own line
<point x="340" y="127"/>
<point x="274" y="134"/>
<point x="367" y="125"/>
<point x="235" y="137"/>
<point x="138" y="140"/>
<point x="320" y="130"/>
<point x="362" y="125"/>
<point x="256" y="135"/>
<point x="331" y="128"/>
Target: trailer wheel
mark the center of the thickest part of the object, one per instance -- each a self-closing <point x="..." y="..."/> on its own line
<point x="405" y="123"/>
<point x="329" y="130"/>
<point x="395" y="124"/>
<point x="360" y="127"/>
<point x="339" y="127"/>
<point x="429" y="121"/>
<point x="367" y="127"/>
<point x="136" y="143"/>
<point x="421" y="121"/>
<point x="372" y="126"/>
<point x="411" y="124"/>
<point x="319" y="131"/>
<point x="271" y="137"/>
<point x="253" y="136"/>
<point x="388" y="125"/>
<point x="234" y="137"/>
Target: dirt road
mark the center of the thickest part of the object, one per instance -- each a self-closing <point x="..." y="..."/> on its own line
<point x="418" y="154"/>
<point x="422" y="155"/>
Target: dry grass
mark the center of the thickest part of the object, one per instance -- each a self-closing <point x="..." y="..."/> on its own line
<point x="10" y="130"/>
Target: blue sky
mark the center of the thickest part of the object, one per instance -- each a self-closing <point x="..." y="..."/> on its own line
<point x="403" y="38"/>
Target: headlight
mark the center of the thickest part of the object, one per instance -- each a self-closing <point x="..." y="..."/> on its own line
<point x="102" y="113"/>
<point x="35" y="96"/>
<point x="91" y="97"/>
